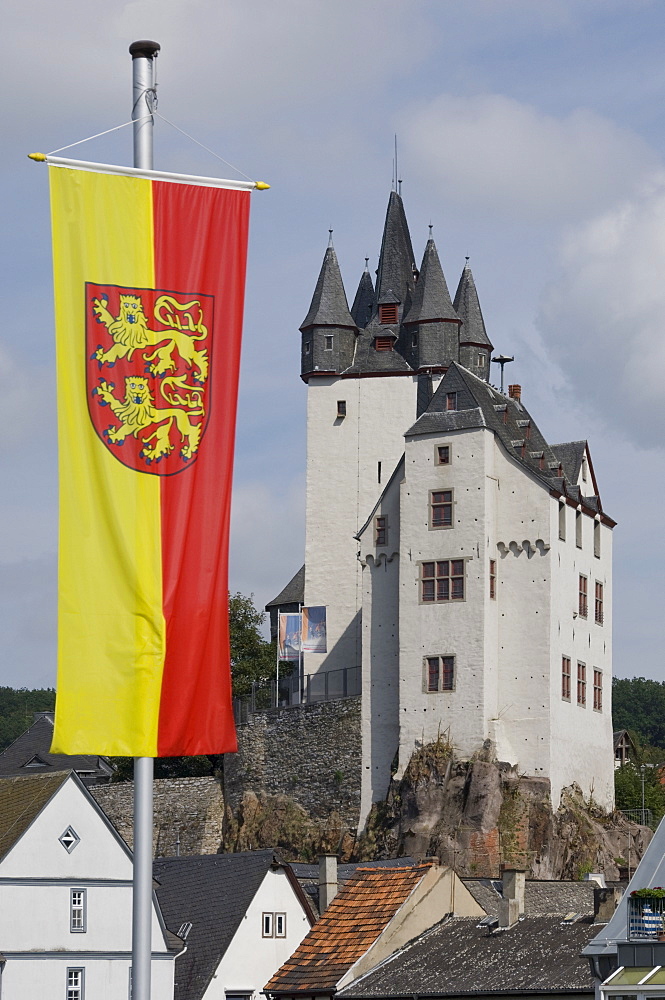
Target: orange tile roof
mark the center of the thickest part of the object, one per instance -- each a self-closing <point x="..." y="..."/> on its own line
<point x="352" y="922"/>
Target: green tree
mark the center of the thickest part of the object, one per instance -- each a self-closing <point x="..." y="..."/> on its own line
<point x="638" y="705"/>
<point x="628" y="783"/>
<point x="17" y="709"/>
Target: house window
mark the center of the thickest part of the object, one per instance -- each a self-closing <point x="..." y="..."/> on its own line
<point x="308" y="347"/>
<point x="441" y="509"/>
<point x="414" y="340"/>
<point x="584" y="469"/>
<point x="381" y="530"/>
<point x="481" y="360"/>
<point x="329" y="343"/>
<point x="280" y="925"/>
<point x="598" y="690"/>
<point x="565" y="678"/>
<point x="439" y="673"/>
<point x="378" y="472"/>
<point x="578" y="528"/>
<point x="388" y="313"/>
<point x="493" y="579"/>
<point x="442" y="454"/>
<point x="77" y="911"/>
<point x="341" y="407"/>
<point x="267" y="925"/>
<point x="69" y="839"/>
<point x="383" y="343"/>
<point x="581" y="684"/>
<point x="442" y="581"/>
<point x="596" y="539"/>
<point x="583" y="593"/>
<point x="451" y="400"/>
<point x="75" y="984"/>
<point x="598" y="603"/>
<point x="562" y="521"/>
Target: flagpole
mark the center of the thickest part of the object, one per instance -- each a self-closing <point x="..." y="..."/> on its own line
<point x="143" y="54"/>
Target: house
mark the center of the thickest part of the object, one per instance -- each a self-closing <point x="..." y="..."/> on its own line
<point x="375" y="914"/>
<point x="624" y="748"/>
<point x="66" y="897"/>
<point x="464" y="561"/>
<point x="241" y="916"/>
<point x="30" y="753"/>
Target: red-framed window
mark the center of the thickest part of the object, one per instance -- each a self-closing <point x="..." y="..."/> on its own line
<point x="581" y="683"/>
<point x="583" y="597"/>
<point x="565" y="678"/>
<point x="598" y="690"/>
<point x="442" y="580"/>
<point x="493" y="579"/>
<point x="441" y="509"/>
<point x="440" y="673"/>
<point x="598" y="603"/>
<point x="380" y="530"/>
<point x="388" y="313"/>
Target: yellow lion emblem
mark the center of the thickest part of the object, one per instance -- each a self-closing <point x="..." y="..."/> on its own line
<point x="130" y="332"/>
<point x="137" y="412"/>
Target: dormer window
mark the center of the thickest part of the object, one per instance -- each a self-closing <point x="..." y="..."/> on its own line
<point x="451" y="400"/>
<point x="388" y="313"/>
<point x="383" y="344"/>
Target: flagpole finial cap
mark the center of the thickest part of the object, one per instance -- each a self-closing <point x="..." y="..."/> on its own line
<point x="39" y="157"/>
<point x="144" y="49"/>
<point x="261" y="186"/>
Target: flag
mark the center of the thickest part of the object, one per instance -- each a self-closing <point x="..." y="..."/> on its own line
<point x="289" y="637"/>
<point x="314" y="630"/>
<point x="149" y="284"/>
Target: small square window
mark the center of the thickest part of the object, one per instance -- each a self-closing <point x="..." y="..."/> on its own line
<point x="442" y="454"/>
<point x="439" y="673"/>
<point x="383" y="343"/>
<point x="388" y="313"/>
<point x="481" y="360"/>
<point x="280" y="925"/>
<point x="267" y="925"/>
<point x="381" y="530"/>
<point x="341" y="408"/>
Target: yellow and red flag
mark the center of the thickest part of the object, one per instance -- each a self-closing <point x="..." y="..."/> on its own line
<point x="149" y="288"/>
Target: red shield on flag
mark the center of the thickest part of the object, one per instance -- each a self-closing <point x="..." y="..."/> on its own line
<point x="149" y="356"/>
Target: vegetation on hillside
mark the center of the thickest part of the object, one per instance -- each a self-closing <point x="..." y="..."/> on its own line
<point x="17" y="710"/>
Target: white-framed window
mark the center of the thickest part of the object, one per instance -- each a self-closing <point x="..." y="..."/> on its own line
<point x="77" y="908"/>
<point x="280" y="925"/>
<point x="75" y="984"/>
<point x="69" y="839"/>
<point x="267" y="925"/>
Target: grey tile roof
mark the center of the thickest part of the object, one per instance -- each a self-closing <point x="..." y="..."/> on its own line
<point x="329" y="305"/>
<point x="363" y="303"/>
<point x="293" y="593"/>
<point x="21" y="801"/>
<point x="212" y="892"/>
<point x="458" y="957"/>
<point x="368" y="359"/>
<point x="542" y="898"/>
<point x="467" y="306"/>
<point x="35" y="744"/>
<point x="396" y="261"/>
<point x="570" y="454"/>
<point x="431" y="298"/>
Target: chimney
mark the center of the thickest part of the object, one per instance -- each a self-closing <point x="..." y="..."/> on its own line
<point x="327" y="880"/>
<point x="515" y="392"/>
<point x="511" y="907"/>
<point x="605" y="901"/>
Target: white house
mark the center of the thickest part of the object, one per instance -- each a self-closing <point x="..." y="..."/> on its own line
<point x="241" y="915"/>
<point x="66" y="897"/>
<point x="465" y="563"/>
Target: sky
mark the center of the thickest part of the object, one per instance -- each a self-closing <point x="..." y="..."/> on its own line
<point x="530" y="135"/>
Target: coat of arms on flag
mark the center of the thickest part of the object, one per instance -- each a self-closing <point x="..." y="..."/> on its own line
<point x="149" y="354"/>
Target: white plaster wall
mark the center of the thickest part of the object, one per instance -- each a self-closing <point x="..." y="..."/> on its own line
<point x="380" y="652"/>
<point x="251" y="960"/>
<point x="25" y="978"/>
<point x="342" y="488"/>
<point x="582" y="749"/>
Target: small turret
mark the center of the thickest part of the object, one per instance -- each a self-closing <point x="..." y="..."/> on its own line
<point x="363" y="304"/>
<point x="475" y="346"/>
<point x="328" y="330"/>
<point x="431" y="327"/>
<point x="397" y="268"/>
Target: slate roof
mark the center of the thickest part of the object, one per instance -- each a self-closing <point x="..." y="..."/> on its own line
<point x="458" y="957"/>
<point x="467" y="307"/>
<point x="329" y="306"/>
<point x="308" y="875"/>
<point x="21" y="801"/>
<point x="367" y="359"/>
<point x="431" y="298"/>
<point x="30" y="754"/>
<point x="542" y="898"/>
<point x="352" y="922"/>
<point x="293" y="593"/>
<point x="397" y="263"/>
<point x="363" y="303"/>
<point x="212" y="892"/>
<point x="570" y="455"/>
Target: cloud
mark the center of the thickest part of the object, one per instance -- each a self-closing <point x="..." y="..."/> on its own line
<point x="491" y="153"/>
<point x="604" y="316"/>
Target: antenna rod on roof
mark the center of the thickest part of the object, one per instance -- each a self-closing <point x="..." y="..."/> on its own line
<point x="502" y="359"/>
<point x="396" y="170"/>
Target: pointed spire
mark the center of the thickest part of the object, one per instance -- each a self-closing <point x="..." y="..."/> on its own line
<point x="329" y="304"/>
<point x="396" y="262"/>
<point x="431" y="298"/>
<point x="363" y="304"/>
<point x="468" y="309"/>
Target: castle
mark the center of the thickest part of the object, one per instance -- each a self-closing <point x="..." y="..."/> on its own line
<point x="465" y="563"/>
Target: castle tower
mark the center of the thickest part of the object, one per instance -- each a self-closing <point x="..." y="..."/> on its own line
<point x="328" y="330"/>
<point x="431" y="326"/>
<point x="475" y="350"/>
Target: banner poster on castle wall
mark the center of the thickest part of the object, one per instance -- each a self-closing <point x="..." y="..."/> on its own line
<point x="314" y="630"/>
<point x="289" y="637"/>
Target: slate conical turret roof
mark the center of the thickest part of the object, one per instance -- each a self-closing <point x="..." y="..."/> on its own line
<point x="468" y="309"/>
<point x="329" y="305"/>
<point x="396" y="263"/>
<point x="363" y="304"/>
<point x="431" y="298"/>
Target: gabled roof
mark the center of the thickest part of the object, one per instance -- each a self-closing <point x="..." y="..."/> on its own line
<point x="431" y="298"/>
<point x="396" y="261"/>
<point x="460" y="957"/>
<point x="21" y="801"/>
<point x="367" y="359"/>
<point x="542" y="897"/>
<point x="329" y="305"/>
<point x="33" y="748"/>
<point x="467" y="306"/>
<point x="570" y="454"/>
<point x="363" y="303"/>
<point x="308" y="875"/>
<point x="398" y="472"/>
<point x="213" y="893"/>
<point x="351" y="924"/>
<point x="293" y="593"/>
